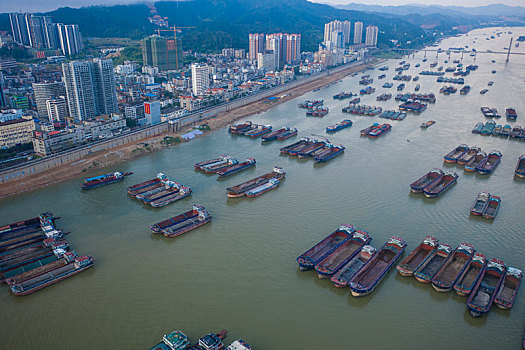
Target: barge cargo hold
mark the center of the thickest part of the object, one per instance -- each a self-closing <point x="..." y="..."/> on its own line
<point x="484" y="292"/>
<point x="344" y="124"/>
<point x="183" y="223"/>
<point x="241" y="189"/>
<point x="470" y="275"/>
<point x="224" y="163"/>
<point x="342" y="277"/>
<point x="217" y="160"/>
<point x="268" y="186"/>
<point x="102" y="180"/>
<point x="438" y="188"/>
<point x="427" y="180"/>
<point x="418" y="256"/>
<point x="318" y="252"/>
<point x="36" y="283"/>
<point x="520" y="167"/>
<point x="301" y="142"/>
<point x="145" y="186"/>
<point x="468" y="156"/>
<point x="371" y="274"/>
<point x="452" y="269"/>
<point x="307" y="152"/>
<point x="173" y="196"/>
<point x="236" y="168"/>
<point x="456" y="153"/>
<point x="279" y="134"/>
<point x="508" y="291"/>
<point x="489" y="163"/>
<point x="426" y="271"/>
<point x="479" y="206"/>
<point x="342" y="254"/>
<point x="328" y="152"/>
<point x="287" y="134"/>
<point x="474" y="162"/>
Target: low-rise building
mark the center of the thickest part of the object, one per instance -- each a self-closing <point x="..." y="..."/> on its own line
<point x="46" y="143"/>
<point x="15" y="132"/>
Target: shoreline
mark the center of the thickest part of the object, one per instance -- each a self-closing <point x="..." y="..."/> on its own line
<point x="91" y="164"/>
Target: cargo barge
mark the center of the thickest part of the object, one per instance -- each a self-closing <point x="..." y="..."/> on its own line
<point x="348" y="271"/>
<point x="102" y="180"/>
<point x="301" y="143"/>
<point x="470" y="275"/>
<point x="417" y="257"/>
<point x="234" y="169"/>
<point x="426" y="271"/>
<point x="182" y="223"/>
<point x="328" y="152"/>
<point x="344" y="124"/>
<point x="453" y="268"/>
<point x="484" y="292"/>
<point x="241" y="189"/>
<point x="145" y="186"/>
<point x="279" y="134"/>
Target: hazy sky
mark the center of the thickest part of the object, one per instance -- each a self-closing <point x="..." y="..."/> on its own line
<point x="47" y="5"/>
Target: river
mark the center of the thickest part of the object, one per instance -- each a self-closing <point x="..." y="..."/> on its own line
<point x="240" y="273"/>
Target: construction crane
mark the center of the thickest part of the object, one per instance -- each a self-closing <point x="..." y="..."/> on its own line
<point x="175" y="29"/>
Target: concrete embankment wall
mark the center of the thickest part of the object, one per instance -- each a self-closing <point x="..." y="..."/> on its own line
<point x="72" y="155"/>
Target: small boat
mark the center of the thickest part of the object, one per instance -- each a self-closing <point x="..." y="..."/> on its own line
<point x="343" y="95"/>
<point x="453" y="268"/>
<point x="488" y="128"/>
<point x="418" y="256"/>
<point x="470" y="275"/>
<point x="239" y="344"/>
<point x="477" y="129"/>
<point x="494" y="72"/>
<point x="182" y="223"/>
<point x="355" y="100"/>
<point x="376" y="268"/>
<point x="485" y="290"/>
<point x="257" y="191"/>
<point x="426" y="271"/>
<point x="439" y="187"/>
<point x="388" y="85"/>
<point x="516" y="132"/>
<point x="342" y="254"/>
<point x="466" y="157"/>
<point x="520" y="167"/>
<point x="497" y="130"/>
<point x="488" y="164"/>
<point x="479" y="206"/>
<point x="344" y="124"/>
<point x="241" y="189"/>
<point x="505" y="132"/>
<point x="427" y="124"/>
<point x="464" y="90"/>
<point x="234" y="169"/>
<point x="318" y="252"/>
<point x="311" y="104"/>
<point x="491" y="210"/>
<point x="400" y="87"/>
<point x="345" y="274"/>
<point x="509" y="289"/>
<point x="102" y="180"/>
<point x="456" y="153"/>
<point x="484" y="91"/>
<point x="426" y="180"/>
<point x="417" y="87"/>
<point x="511" y="114"/>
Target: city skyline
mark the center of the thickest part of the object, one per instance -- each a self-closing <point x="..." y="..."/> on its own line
<point x="44" y="6"/>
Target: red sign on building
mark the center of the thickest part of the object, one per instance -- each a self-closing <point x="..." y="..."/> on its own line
<point x="147" y="109"/>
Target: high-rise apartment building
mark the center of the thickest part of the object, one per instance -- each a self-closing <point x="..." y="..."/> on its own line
<point x="371" y="36"/>
<point x="41" y="33"/>
<point x="3" y="100"/>
<point x="332" y="28"/>
<point x="44" y="92"/>
<point x="257" y="45"/>
<point x="358" y="32"/>
<point x="266" y="61"/>
<point x="57" y="109"/>
<point x="161" y="52"/>
<point x="69" y="38"/>
<point x="200" y="78"/>
<point x="277" y="43"/>
<point x="90" y="88"/>
<point x="293" y="48"/>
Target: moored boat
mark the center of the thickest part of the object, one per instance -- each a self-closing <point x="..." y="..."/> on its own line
<point x="342" y="277"/>
<point x="466" y="157"/>
<point x="506" y="130"/>
<point x="225" y="162"/>
<point x="470" y="275"/>
<point x="511" y="114"/>
<point x="328" y="152"/>
<point x="491" y="210"/>
<point x="427" y="124"/>
<point x="439" y="187"/>
<point x="302" y="141"/>
<point x="426" y="180"/>
<point x="365" y="131"/>
<point x="456" y="153"/>
<point x="344" y="124"/>
<point x="273" y="135"/>
<point x="240" y="128"/>
<point x="287" y="134"/>
<point x="175" y="340"/>
<point x="342" y="254"/>
<point x="474" y="162"/>
<point x="520" y="167"/>
<point x="318" y="252"/>
<point x="103" y="180"/>
<point x="307" y="152"/>
<point x="146" y="185"/>
<point x="183" y="223"/>
<point x="377" y="267"/>
<point x="484" y="292"/>
<point x="241" y="189"/>
<point x="479" y="206"/>
<point x="174" y="194"/>
<point x="477" y="129"/>
<point x="417" y="256"/>
<point x="453" y="268"/>
<point x="199" y="165"/>
<point x="508" y="291"/>
<point x="488" y="164"/>
<point x="379" y="130"/>
<point x="488" y="128"/>
<point x="263" y="188"/>
<point x="234" y="169"/>
<point x="426" y="271"/>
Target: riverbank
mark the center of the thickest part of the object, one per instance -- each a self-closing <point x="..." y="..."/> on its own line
<point x="89" y="165"/>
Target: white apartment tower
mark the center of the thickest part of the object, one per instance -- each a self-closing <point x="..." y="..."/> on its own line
<point x="90" y="88"/>
<point x="200" y="78"/>
<point x="358" y="32"/>
<point x="371" y="36"/>
<point x="332" y="28"/>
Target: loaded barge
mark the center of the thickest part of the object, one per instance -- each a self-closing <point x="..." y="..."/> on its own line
<point x="452" y="269"/>
<point x="183" y="223"/>
<point x="234" y="169"/>
<point x="347" y="272"/>
<point x="159" y="193"/>
<point x="418" y="256"/>
<point x="484" y="292"/>
<point x="241" y="189"/>
<point x="280" y="134"/>
<point x="470" y="275"/>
